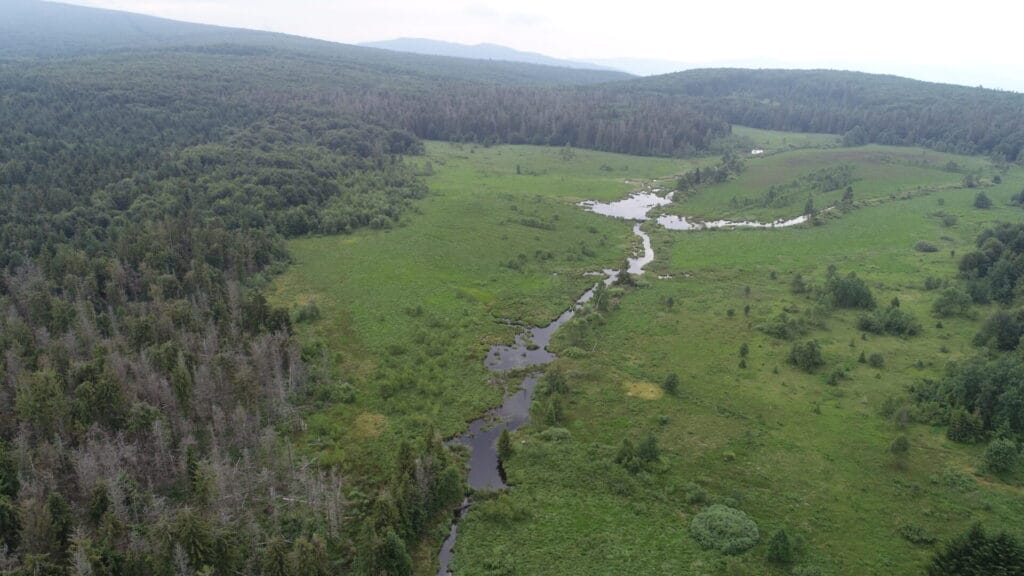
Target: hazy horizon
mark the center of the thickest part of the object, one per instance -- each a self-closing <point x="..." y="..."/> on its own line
<point x="936" y="42"/>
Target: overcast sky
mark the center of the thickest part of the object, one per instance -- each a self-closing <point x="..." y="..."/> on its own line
<point x="970" y="43"/>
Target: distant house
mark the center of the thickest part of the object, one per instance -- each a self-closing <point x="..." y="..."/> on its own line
<point x="756" y="152"/>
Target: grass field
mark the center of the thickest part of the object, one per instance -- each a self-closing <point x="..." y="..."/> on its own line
<point x="408" y="313"/>
<point x="878" y="173"/>
<point x="772" y="141"/>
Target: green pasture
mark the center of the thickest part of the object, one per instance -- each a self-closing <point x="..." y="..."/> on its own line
<point x="407" y="315"/>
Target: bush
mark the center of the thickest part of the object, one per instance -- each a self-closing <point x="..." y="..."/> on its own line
<point x="892" y="321"/>
<point x="695" y="494"/>
<point x="797" y="285"/>
<point x="954" y="301"/>
<point x="876" y="360"/>
<point x="308" y="312"/>
<point x="1001" y="456"/>
<point x="639" y="457"/>
<point x="915" y="534"/>
<point x="556" y="434"/>
<point x="784" y="327"/>
<point x="725" y="529"/>
<point x="671" y="384"/>
<point x="981" y="200"/>
<point x="900" y="446"/>
<point x="849" y="292"/>
<point x="780" y="549"/>
<point x="806" y="356"/>
<point x="336" y="392"/>
<point x="923" y="246"/>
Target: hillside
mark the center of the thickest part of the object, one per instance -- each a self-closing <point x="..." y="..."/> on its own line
<point x="481" y="52"/>
<point x="862" y="107"/>
<point x="32" y="28"/>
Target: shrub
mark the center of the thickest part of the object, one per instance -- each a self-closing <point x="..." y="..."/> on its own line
<point x="725" y="529"/>
<point x="308" y="312"/>
<point x="647" y="451"/>
<point x="556" y="434"/>
<point x="849" y="292"/>
<point x="798" y="285"/>
<point x="924" y="246"/>
<point x="915" y="534"/>
<point x="780" y="549"/>
<point x="335" y="392"/>
<point x="954" y="301"/>
<point x="695" y="494"/>
<point x="981" y="200"/>
<point x="671" y="384"/>
<point x="637" y="458"/>
<point x="956" y="480"/>
<point x="806" y="356"/>
<point x="932" y="283"/>
<point x="892" y="321"/>
<point x="784" y="327"/>
<point x="835" y="377"/>
<point x="1001" y="456"/>
<point x="900" y="446"/>
<point x="876" y="360"/>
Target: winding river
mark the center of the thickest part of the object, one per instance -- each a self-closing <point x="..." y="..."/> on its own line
<point x="530" y="349"/>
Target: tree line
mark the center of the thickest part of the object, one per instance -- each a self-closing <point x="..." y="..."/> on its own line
<point x="863" y="108"/>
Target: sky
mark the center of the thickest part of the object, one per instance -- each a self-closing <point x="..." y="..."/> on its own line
<point x="971" y="43"/>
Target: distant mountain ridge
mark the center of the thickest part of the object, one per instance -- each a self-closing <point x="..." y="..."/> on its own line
<point x="33" y="28"/>
<point x="484" y="51"/>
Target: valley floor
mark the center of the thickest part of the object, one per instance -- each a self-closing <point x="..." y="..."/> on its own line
<point x="407" y="315"/>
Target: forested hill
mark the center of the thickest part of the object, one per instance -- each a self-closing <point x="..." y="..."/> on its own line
<point x="479" y="52"/>
<point x="863" y="107"/>
<point x="31" y="29"/>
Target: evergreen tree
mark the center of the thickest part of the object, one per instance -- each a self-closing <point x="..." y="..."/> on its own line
<point x="647" y="451"/>
<point x="275" y="558"/>
<point x="504" y="446"/>
<point x="10" y="523"/>
<point x="671" y="384"/>
<point x="308" y="557"/>
<point x="390" y="557"/>
<point x="976" y="553"/>
<point x="780" y="549"/>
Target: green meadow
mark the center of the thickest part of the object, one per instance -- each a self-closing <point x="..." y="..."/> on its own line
<point x="877" y="174"/>
<point x="407" y="314"/>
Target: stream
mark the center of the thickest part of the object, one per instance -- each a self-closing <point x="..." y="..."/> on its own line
<point x="530" y="349"/>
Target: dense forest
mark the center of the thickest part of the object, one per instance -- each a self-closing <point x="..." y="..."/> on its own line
<point x="863" y="108"/>
<point x="148" y="390"/>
